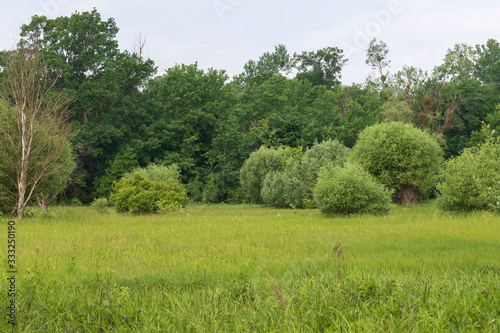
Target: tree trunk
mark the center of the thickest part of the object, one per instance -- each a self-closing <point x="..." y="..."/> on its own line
<point x="21" y="203"/>
<point x="408" y="196"/>
<point x="43" y="202"/>
<point x="25" y="153"/>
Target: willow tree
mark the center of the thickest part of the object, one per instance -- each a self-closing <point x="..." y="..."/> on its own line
<point x="35" y="132"/>
<point x="400" y="156"/>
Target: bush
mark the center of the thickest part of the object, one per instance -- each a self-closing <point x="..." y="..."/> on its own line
<point x="273" y="189"/>
<point x="492" y="194"/>
<point x="400" y="156"/>
<point x="256" y="167"/>
<point x="467" y="178"/>
<point x="350" y="189"/>
<point x="141" y="195"/>
<point x="284" y="188"/>
<point x="158" y="173"/>
<point x="318" y="156"/>
<point x="100" y="205"/>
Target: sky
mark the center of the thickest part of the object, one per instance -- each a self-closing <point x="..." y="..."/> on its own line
<point x="225" y="34"/>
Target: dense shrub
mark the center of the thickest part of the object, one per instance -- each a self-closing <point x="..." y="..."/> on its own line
<point x="350" y="189"/>
<point x="100" y="205"/>
<point x="470" y="179"/>
<point x="141" y="195"/>
<point x="284" y="188"/>
<point x="273" y="189"/>
<point x="158" y="173"/>
<point x="318" y="156"/>
<point x="400" y="156"/>
<point x="492" y="194"/>
<point x="256" y="167"/>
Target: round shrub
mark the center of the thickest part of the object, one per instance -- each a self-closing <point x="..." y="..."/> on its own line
<point x="273" y="189"/>
<point x="158" y="173"/>
<point x="400" y="156"/>
<point x="467" y="178"/>
<point x="320" y="154"/>
<point x="256" y="167"/>
<point x="350" y="189"/>
<point x="284" y="188"/>
<point x="141" y="195"/>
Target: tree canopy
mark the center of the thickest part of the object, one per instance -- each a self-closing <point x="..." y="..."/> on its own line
<point x="125" y="116"/>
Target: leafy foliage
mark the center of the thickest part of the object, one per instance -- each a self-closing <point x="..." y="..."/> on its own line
<point x="37" y="157"/>
<point x="255" y="169"/>
<point x="100" y="205"/>
<point x="141" y="195"/>
<point x="158" y="173"/>
<point x="208" y="125"/>
<point x="284" y="188"/>
<point x="399" y="155"/>
<point x="321" y="67"/>
<point x="350" y="189"/>
<point x="319" y="155"/>
<point x="82" y="52"/>
<point x="467" y="178"/>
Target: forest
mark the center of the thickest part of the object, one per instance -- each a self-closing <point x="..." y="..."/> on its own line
<point x="124" y="115"/>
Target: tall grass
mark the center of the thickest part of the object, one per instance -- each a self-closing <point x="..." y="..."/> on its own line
<point x="246" y="268"/>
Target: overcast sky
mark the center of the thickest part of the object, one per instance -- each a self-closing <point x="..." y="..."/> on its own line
<point x="225" y="34"/>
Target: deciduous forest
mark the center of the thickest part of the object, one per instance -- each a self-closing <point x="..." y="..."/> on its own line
<point x="125" y="115"/>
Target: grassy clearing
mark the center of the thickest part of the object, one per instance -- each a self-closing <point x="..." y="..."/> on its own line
<point x="247" y="268"/>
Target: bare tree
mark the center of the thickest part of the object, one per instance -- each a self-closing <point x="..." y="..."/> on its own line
<point x="35" y="131"/>
<point x="140" y="42"/>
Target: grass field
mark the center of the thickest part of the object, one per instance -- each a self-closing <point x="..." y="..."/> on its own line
<point x="247" y="268"/>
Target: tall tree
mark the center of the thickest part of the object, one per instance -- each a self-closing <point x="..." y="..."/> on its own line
<point x="321" y="67"/>
<point x="103" y="82"/>
<point x="377" y="58"/>
<point x="278" y="62"/>
<point x="488" y="62"/>
<point x="34" y="129"/>
<point x="189" y="101"/>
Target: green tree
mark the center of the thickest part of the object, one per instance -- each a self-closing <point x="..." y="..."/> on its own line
<point x="400" y="156"/>
<point x="321" y="67"/>
<point x="377" y="58"/>
<point x="397" y="111"/>
<point x="278" y="63"/>
<point x="37" y="158"/>
<point x="189" y="102"/>
<point x="356" y="109"/>
<point x="103" y="82"/>
<point x="488" y="62"/>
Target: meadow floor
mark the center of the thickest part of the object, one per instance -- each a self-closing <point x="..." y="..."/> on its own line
<point x="239" y="268"/>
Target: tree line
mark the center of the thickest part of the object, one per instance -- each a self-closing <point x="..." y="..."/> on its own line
<point x="124" y="115"/>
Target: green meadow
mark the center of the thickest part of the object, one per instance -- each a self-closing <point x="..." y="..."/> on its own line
<point x="245" y="268"/>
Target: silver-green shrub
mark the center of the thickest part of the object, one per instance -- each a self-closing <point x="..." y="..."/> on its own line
<point x="467" y="178"/>
<point x="350" y="189"/>
<point x="256" y="167"/>
<point x="329" y="151"/>
<point x="284" y="188"/>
